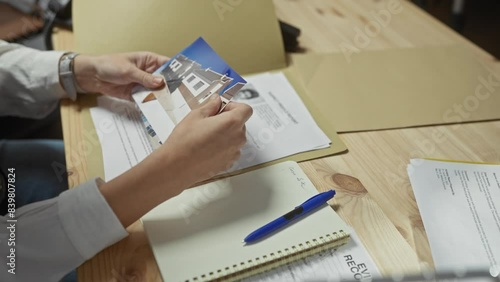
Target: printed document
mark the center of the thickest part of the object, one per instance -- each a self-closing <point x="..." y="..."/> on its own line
<point x="280" y="126"/>
<point x="121" y="133"/>
<point x="460" y="208"/>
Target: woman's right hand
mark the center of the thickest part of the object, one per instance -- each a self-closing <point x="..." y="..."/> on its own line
<point x="205" y="143"/>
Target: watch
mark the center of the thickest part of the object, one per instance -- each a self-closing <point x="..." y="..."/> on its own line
<point x="67" y="75"/>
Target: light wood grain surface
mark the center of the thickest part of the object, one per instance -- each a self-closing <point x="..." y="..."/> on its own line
<point x="375" y="196"/>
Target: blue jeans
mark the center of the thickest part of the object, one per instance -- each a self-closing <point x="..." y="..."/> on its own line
<point x="40" y="172"/>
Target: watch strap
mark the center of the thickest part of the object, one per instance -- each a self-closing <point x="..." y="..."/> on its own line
<point x="67" y="75"/>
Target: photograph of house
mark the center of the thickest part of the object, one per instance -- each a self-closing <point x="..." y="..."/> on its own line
<point x="195" y="84"/>
<point x="191" y="77"/>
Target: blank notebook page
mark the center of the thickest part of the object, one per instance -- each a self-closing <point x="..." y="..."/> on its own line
<point x="201" y="230"/>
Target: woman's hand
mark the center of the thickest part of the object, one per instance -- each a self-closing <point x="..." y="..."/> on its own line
<point x="206" y="143"/>
<point x="116" y="75"/>
<point x="203" y="144"/>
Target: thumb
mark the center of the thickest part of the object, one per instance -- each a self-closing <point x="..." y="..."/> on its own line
<point x="146" y="79"/>
<point x="212" y="107"/>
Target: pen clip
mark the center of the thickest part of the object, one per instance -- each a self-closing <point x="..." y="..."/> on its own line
<point x="314" y="197"/>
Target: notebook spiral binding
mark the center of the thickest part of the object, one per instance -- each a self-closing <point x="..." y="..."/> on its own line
<point x="244" y="269"/>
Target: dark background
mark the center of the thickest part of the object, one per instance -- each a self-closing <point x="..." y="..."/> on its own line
<point x="481" y="20"/>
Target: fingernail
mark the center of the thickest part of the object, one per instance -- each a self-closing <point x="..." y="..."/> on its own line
<point x="157" y="80"/>
<point x="214" y="96"/>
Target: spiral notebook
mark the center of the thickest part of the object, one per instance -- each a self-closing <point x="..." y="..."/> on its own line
<point x="197" y="236"/>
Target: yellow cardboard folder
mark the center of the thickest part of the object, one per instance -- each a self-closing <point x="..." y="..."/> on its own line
<point x="400" y="87"/>
<point x="245" y="33"/>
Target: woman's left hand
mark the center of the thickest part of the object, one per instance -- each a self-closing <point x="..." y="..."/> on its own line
<point x="116" y="75"/>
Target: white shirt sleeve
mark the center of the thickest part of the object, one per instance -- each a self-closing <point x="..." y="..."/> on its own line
<point x="29" y="81"/>
<point x="51" y="238"/>
<point x="25" y="6"/>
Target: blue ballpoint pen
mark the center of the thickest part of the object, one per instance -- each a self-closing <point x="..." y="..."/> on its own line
<point x="307" y="207"/>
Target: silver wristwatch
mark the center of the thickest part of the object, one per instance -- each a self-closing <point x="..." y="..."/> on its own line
<point x="67" y="75"/>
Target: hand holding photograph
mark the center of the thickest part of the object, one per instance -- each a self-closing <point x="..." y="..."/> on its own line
<point x="191" y="77"/>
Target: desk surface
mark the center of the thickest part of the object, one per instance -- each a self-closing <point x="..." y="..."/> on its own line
<point x="375" y="196"/>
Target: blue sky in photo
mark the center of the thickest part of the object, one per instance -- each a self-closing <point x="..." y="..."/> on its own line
<point x="202" y="53"/>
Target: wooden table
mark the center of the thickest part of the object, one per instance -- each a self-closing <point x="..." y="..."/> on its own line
<point x="375" y="194"/>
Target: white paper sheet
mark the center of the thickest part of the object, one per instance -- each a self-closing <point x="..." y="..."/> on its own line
<point x="460" y="208"/>
<point x="280" y="126"/>
<point x="350" y="262"/>
<point x="124" y="143"/>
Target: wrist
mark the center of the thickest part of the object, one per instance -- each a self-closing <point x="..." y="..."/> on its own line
<point x="137" y="191"/>
<point x="166" y="166"/>
<point x="186" y="169"/>
<point x="84" y="70"/>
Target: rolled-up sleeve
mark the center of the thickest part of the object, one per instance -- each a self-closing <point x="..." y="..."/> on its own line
<point x="55" y="236"/>
<point x="29" y="81"/>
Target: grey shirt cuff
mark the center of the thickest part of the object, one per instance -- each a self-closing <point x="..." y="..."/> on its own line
<point x="88" y="220"/>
